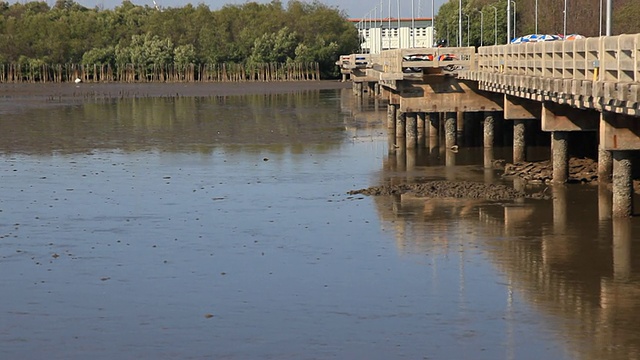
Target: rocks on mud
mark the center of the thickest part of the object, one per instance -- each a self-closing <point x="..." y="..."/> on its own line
<point x="450" y="189"/>
<point x="581" y="170"/>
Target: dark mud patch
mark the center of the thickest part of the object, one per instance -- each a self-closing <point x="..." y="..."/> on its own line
<point x="451" y="189"/>
<point x="581" y="170"/>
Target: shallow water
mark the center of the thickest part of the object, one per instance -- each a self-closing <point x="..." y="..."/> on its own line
<point x="220" y="228"/>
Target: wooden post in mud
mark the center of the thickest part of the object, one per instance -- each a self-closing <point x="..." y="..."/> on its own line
<point x="450" y="130"/>
<point x="411" y="130"/>
<point x="560" y="156"/>
<point x="622" y="185"/>
<point x="519" y="144"/>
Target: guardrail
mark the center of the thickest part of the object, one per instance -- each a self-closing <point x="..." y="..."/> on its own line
<point x="609" y="58"/>
<point x="403" y="60"/>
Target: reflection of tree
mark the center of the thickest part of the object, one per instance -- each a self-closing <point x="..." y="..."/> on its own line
<point x="282" y="122"/>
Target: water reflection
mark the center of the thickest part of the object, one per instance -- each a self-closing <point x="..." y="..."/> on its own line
<point x="284" y="121"/>
<point x="561" y="257"/>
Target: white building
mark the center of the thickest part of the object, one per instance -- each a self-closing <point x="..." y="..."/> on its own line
<point x="383" y="34"/>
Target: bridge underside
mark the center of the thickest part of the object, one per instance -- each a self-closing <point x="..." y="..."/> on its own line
<point x="441" y="93"/>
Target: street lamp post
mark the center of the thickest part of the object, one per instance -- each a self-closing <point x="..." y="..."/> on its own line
<point x="468" y="33"/>
<point x="433" y="22"/>
<point x="481" y="26"/>
<point x="459" y="23"/>
<point x="495" y="26"/>
<point x="536" y="16"/>
<point x="514" y="18"/>
<point x="509" y="21"/>
<point x="564" y="27"/>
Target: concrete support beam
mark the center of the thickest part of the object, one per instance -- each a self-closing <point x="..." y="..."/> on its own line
<point x="557" y="117"/>
<point x="411" y="130"/>
<point x="560" y="156"/>
<point x="488" y="130"/>
<point x="622" y="185"/>
<point x="619" y="132"/>
<point x="519" y="143"/>
<point x="520" y="108"/>
<point x="446" y="94"/>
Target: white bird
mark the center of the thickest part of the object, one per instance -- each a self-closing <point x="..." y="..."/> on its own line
<point x="78" y="80"/>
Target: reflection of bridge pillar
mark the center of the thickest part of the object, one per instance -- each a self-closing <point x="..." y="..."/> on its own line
<point x="401" y="154"/>
<point x="411" y="130"/>
<point x="519" y="143"/>
<point x="621" y="249"/>
<point x="560" y="155"/>
<point x="488" y="158"/>
<point x="622" y="185"/>
<point x="411" y="159"/>
<point x="559" y="208"/>
<point x="450" y="132"/>
<point x="605" y="206"/>
<point x="488" y="130"/>
<point x="450" y="163"/>
<point x="488" y="165"/>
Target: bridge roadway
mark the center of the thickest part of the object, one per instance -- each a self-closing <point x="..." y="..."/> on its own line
<point x="590" y="84"/>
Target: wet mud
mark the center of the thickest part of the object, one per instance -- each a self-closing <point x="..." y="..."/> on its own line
<point x="452" y="189"/>
<point x="20" y="97"/>
<point x="581" y="170"/>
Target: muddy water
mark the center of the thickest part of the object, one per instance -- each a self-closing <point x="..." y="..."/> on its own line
<point x="220" y="228"/>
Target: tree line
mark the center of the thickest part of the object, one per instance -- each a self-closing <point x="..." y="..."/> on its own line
<point x="143" y="43"/>
<point x="583" y="17"/>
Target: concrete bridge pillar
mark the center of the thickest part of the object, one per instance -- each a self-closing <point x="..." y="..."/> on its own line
<point x="488" y="130"/>
<point x="605" y="164"/>
<point x="401" y="125"/>
<point x="560" y="156"/>
<point x="450" y="130"/>
<point x="622" y="184"/>
<point x="605" y="158"/>
<point x="391" y="117"/>
<point x="519" y="143"/>
<point x="433" y="124"/>
<point x="411" y="130"/>
<point x="421" y="129"/>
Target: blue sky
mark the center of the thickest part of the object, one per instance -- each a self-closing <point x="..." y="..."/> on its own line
<point x="354" y="8"/>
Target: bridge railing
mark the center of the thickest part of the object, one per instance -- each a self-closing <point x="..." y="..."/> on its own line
<point x="398" y="60"/>
<point x="609" y="59"/>
<point x="354" y="61"/>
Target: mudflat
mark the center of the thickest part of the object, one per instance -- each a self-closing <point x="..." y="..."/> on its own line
<point x="17" y="97"/>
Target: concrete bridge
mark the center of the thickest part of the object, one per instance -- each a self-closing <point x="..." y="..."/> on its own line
<point x="590" y="84"/>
